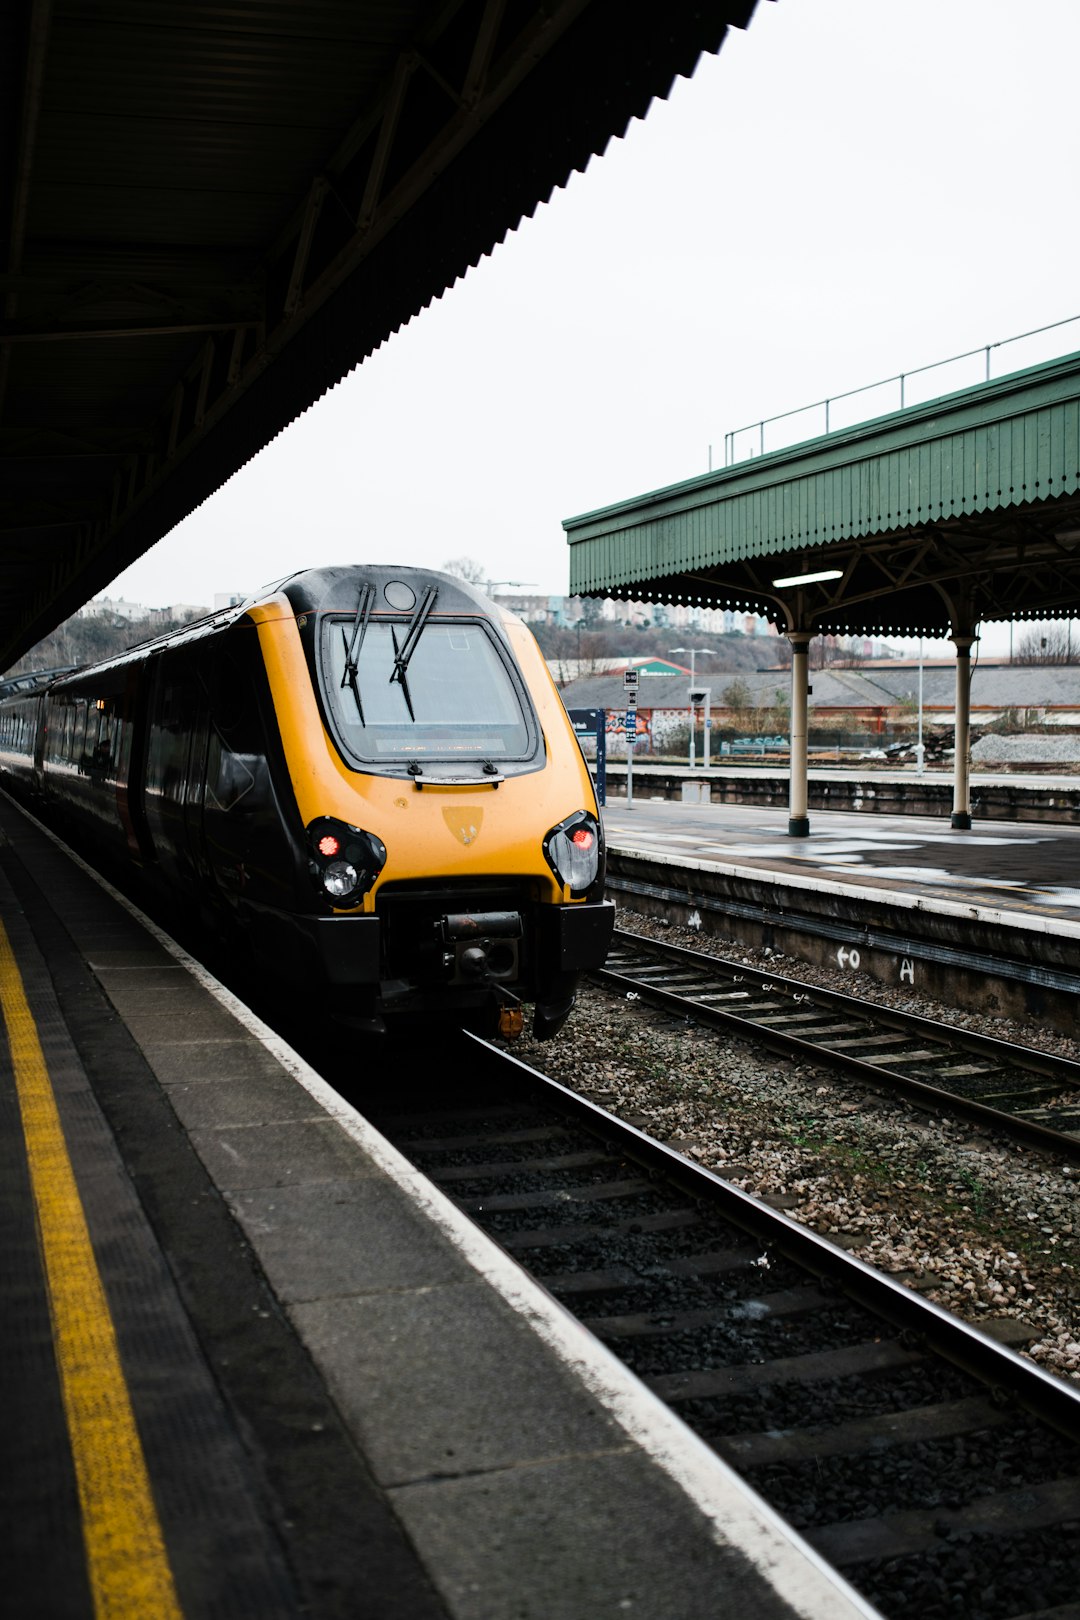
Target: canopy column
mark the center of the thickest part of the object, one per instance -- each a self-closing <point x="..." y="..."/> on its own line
<point x="961" y="813"/>
<point x="798" y="819"/>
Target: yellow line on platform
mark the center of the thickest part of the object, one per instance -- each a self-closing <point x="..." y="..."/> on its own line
<point x="127" y="1564"/>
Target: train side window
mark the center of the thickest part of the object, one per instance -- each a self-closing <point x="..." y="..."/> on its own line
<point x="237" y="777"/>
<point x="167" y="751"/>
<point x="231" y="778"/>
<point x="78" y="733"/>
<point x="56" y="733"/>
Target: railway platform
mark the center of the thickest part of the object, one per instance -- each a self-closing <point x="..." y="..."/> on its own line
<point x="988" y="917"/>
<point x="255" y="1365"/>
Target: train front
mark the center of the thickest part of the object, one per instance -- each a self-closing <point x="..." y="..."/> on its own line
<point x="451" y="830"/>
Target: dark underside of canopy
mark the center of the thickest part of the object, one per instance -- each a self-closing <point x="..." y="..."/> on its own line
<point x="211" y="214"/>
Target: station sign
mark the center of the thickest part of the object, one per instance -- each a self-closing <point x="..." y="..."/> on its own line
<point x="593" y="723"/>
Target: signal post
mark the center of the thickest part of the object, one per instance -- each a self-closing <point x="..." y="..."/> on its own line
<point x="630" y="687"/>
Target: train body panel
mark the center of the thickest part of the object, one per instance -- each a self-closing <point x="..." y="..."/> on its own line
<point x="367" y="774"/>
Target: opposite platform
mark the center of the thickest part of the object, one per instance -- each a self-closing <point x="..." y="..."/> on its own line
<point x="987" y="918"/>
<point x="347" y="1400"/>
<point x="1029" y="871"/>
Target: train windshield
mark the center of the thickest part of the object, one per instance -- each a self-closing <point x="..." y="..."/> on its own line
<point x="457" y="700"/>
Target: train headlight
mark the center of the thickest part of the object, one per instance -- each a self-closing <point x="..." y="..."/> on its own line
<point x="340" y="879"/>
<point x="573" y="851"/>
<point x="344" y="860"/>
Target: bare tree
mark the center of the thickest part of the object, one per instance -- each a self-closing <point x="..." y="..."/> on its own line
<point x="738" y="701"/>
<point x="1047" y="644"/>
<point x="468" y="569"/>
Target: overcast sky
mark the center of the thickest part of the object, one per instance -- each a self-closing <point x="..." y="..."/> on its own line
<point x="852" y="188"/>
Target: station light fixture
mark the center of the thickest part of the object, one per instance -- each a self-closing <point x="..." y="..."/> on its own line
<point x="810" y="579"/>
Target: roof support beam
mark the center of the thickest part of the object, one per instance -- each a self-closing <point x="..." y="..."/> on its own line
<point x="316" y="197"/>
<point x="404" y="68"/>
<point x="40" y="19"/>
<point x="483" y="48"/>
<point x="13" y="334"/>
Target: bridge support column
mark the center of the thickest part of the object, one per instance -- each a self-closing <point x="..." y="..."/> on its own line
<point x="961" y="812"/>
<point x="798" y="819"/>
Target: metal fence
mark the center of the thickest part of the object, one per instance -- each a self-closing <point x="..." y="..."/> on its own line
<point x="905" y="389"/>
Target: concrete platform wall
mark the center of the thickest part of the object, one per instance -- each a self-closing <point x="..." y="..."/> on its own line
<point x="996" y="798"/>
<point x="979" y="960"/>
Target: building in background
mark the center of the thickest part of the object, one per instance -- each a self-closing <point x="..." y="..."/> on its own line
<point x="113" y="608"/>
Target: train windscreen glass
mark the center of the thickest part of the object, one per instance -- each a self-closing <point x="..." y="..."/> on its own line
<point x="455" y="698"/>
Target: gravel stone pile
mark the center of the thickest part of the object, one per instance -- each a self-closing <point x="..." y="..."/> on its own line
<point x="1041" y="748"/>
<point x="986" y="1228"/>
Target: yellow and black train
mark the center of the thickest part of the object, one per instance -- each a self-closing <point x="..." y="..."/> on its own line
<point x="365" y="773"/>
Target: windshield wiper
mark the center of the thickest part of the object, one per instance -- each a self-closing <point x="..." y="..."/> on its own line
<point x="352" y="650"/>
<point x="403" y="653"/>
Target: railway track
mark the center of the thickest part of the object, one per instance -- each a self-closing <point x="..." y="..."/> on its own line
<point x="935" y="1467"/>
<point x="1029" y="1095"/>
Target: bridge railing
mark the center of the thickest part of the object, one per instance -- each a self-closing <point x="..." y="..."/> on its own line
<point x="906" y="388"/>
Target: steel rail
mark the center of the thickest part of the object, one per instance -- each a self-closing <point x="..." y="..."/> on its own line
<point x="630" y="1238"/>
<point x="1042" y="1393"/>
<point x="867" y="937"/>
<point x="1025" y="1059"/>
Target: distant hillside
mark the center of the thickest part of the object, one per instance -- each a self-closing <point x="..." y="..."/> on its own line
<point x="730" y="653"/>
<point x="89" y="641"/>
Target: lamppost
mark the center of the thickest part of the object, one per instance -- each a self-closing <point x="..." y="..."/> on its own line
<point x="693" y="651"/>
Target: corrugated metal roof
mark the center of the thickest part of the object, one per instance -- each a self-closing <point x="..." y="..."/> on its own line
<point x="943" y="515"/>
<point x="209" y="214"/>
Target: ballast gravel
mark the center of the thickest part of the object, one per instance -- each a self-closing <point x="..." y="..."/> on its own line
<point x="987" y="1228"/>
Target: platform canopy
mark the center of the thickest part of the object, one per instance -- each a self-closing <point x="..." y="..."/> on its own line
<point x="928" y="521"/>
<point x="209" y="214"/>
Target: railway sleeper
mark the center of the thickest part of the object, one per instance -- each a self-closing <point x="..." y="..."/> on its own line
<point x="971" y="1415"/>
<point x="654" y="1324"/>
<point x="918" y="1530"/>
<point x="884" y="1355"/>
